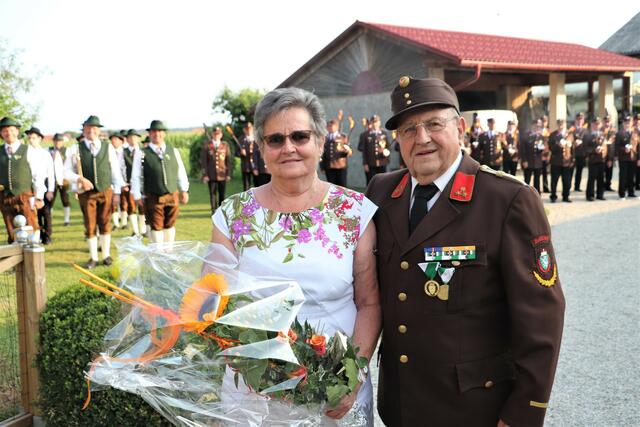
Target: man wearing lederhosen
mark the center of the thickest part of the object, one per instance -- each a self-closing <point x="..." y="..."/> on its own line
<point x="22" y="186"/>
<point x="135" y="212"/>
<point x="93" y="165"/>
<point x="118" y="216"/>
<point x="159" y="176"/>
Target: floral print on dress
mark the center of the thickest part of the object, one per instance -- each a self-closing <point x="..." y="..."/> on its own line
<point x="340" y="210"/>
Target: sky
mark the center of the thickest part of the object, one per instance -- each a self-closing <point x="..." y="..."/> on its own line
<point x="132" y="61"/>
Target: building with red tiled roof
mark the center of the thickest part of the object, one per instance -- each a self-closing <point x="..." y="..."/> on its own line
<point x="357" y="70"/>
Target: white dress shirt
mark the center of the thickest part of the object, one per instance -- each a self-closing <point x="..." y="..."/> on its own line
<point x="137" y="177"/>
<point x="440" y="182"/>
<point x="38" y="167"/>
<point x="46" y="163"/>
<point x="58" y="166"/>
<point x="71" y="163"/>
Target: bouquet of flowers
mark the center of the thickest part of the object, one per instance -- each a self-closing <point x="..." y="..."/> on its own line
<point x="207" y="344"/>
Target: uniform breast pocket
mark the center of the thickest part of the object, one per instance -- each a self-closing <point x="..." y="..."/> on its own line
<point x="468" y="274"/>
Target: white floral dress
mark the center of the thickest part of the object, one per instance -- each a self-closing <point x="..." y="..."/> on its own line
<point x="315" y="247"/>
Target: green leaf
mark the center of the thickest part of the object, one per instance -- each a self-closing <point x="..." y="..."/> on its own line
<point x="289" y="237"/>
<point x="301" y="256"/>
<point x="253" y="372"/>
<point x="271" y="217"/>
<point x="250" y="243"/>
<point x="288" y="258"/>
<point x="352" y="373"/>
<point x="277" y="237"/>
<point x="335" y="393"/>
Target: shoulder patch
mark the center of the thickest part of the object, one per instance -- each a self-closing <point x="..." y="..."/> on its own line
<point x="546" y="270"/>
<point x="501" y="174"/>
<point x="462" y="188"/>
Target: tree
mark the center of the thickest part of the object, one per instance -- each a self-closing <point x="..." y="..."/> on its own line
<point x="239" y="106"/>
<point x="13" y="85"/>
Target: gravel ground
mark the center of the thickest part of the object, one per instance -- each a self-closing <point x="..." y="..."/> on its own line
<point x="598" y="376"/>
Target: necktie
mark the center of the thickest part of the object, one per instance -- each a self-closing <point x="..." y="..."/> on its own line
<point x="93" y="148"/>
<point x="9" y="150"/>
<point x="423" y="193"/>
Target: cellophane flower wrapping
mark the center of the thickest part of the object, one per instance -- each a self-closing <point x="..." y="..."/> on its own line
<point x="208" y="345"/>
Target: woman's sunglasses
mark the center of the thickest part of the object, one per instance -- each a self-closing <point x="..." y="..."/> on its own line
<point x="297" y="137"/>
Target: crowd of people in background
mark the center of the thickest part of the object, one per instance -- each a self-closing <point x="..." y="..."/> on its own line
<point x="139" y="184"/>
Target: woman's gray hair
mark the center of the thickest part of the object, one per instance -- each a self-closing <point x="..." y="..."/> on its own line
<point x="289" y="97"/>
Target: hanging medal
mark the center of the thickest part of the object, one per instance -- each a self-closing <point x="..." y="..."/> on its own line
<point x="445" y="274"/>
<point x="431" y="287"/>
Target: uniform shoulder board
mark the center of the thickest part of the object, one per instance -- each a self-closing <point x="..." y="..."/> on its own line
<point x="501" y="174"/>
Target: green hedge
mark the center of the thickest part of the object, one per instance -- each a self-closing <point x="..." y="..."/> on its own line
<point x="72" y="328"/>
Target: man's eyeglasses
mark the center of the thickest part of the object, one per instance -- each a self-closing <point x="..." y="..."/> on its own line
<point x="430" y="126"/>
<point x="297" y="137"/>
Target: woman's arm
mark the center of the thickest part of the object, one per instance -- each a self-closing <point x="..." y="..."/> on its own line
<point x="218" y="237"/>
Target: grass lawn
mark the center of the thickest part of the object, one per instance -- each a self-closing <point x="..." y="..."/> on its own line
<point x="69" y="245"/>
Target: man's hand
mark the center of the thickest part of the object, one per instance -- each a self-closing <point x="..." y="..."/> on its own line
<point x="49" y="196"/>
<point x="124" y="188"/>
<point x="366" y="168"/>
<point x="502" y="424"/>
<point x="184" y="198"/>
<point x="115" y="201"/>
<point x="243" y="152"/>
<point x="39" y="203"/>
<point x="140" y="203"/>
<point x="228" y="178"/>
<point x="255" y="172"/>
<point x="85" y="184"/>
<point x="205" y="179"/>
<point x="525" y="165"/>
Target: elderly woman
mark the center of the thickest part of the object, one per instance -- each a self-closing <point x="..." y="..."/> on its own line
<point x="316" y="233"/>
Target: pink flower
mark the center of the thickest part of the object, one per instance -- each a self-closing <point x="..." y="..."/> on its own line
<point x="304" y="236"/>
<point x="286" y="222"/>
<point x="239" y="228"/>
<point x="319" y="234"/>
<point x="316" y="216"/>
<point x="250" y="209"/>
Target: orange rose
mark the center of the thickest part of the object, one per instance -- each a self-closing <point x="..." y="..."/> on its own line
<point x="318" y="344"/>
<point x="291" y="334"/>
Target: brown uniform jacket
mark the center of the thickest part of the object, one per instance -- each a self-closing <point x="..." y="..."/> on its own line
<point x="591" y="143"/>
<point x="561" y="155"/>
<point x="491" y="149"/>
<point x="624" y="138"/>
<point x="373" y="148"/>
<point x="530" y="151"/>
<point x="513" y="142"/>
<point x="334" y="155"/>
<point x="216" y="162"/>
<point x="246" y="161"/>
<point x="491" y="350"/>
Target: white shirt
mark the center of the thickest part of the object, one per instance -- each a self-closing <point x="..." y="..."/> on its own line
<point x="440" y="182"/>
<point x="58" y="166"/>
<point x="137" y="177"/>
<point x="73" y="155"/>
<point x="38" y="168"/>
<point x="47" y="164"/>
<point x="123" y="167"/>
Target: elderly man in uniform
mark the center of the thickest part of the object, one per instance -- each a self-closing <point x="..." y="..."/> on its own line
<point x="35" y="137"/>
<point x="562" y="161"/>
<point x="93" y="165"/>
<point x="471" y="300"/>
<point x="579" y="130"/>
<point x="22" y="175"/>
<point x="334" y="156"/>
<point x="595" y="145"/>
<point x="159" y="176"/>
<point x="531" y="149"/>
<point x="245" y="152"/>
<point x="59" y="154"/>
<point x="491" y="146"/>
<point x="215" y="161"/>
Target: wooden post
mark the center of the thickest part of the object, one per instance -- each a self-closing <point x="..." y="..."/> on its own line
<point x="31" y="294"/>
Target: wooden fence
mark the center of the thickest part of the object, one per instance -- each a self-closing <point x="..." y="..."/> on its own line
<point x="30" y="297"/>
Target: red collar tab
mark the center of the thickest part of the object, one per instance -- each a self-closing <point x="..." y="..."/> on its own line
<point x="462" y="189"/>
<point x="397" y="192"/>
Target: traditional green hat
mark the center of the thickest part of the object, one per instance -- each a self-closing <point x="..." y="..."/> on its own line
<point x="34" y="130"/>
<point x="58" y="137"/>
<point x="133" y="132"/>
<point x="116" y="135"/>
<point x="157" y="125"/>
<point x="92" y="121"/>
<point x="6" y="122"/>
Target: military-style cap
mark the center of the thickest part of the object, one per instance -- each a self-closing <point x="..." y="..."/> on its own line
<point x="6" y="122"/>
<point x="217" y="129"/>
<point x="248" y="125"/>
<point x="596" y="119"/>
<point x="580" y="115"/>
<point x="374" y="118"/>
<point x="510" y="122"/>
<point x="58" y="137"/>
<point x="157" y="125"/>
<point x="411" y="94"/>
<point x="92" y="121"/>
<point x="34" y="130"/>
<point x="133" y="132"/>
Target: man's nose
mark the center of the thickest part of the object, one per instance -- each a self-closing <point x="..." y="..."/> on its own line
<point x="422" y="135"/>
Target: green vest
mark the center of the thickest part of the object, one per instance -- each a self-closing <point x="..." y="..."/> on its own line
<point x="15" y="173"/>
<point x="128" y="162"/>
<point x="102" y="180"/>
<point x="160" y="176"/>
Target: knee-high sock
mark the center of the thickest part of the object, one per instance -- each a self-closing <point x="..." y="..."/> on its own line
<point x="142" y="224"/>
<point x="67" y="214"/>
<point x="93" y="247"/>
<point x="115" y="217"/>
<point x="170" y="235"/>
<point x="105" y="244"/>
<point x="133" y="220"/>
<point x="123" y="218"/>
<point x="157" y="236"/>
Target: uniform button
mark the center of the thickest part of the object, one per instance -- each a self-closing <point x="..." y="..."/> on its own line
<point x="488" y="384"/>
<point x="402" y="329"/>
<point x="404" y="359"/>
<point x="455" y="263"/>
<point x="402" y="296"/>
<point x="404" y="265"/>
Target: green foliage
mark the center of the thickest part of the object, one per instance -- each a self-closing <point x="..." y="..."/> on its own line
<point x="240" y="105"/>
<point x="14" y="84"/>
<point x="72" y="328"/>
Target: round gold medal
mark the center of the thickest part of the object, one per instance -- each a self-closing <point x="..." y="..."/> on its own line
<point x="431" y="288"/>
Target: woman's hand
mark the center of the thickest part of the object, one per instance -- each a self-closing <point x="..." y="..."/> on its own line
<point x="344" y="406"/>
